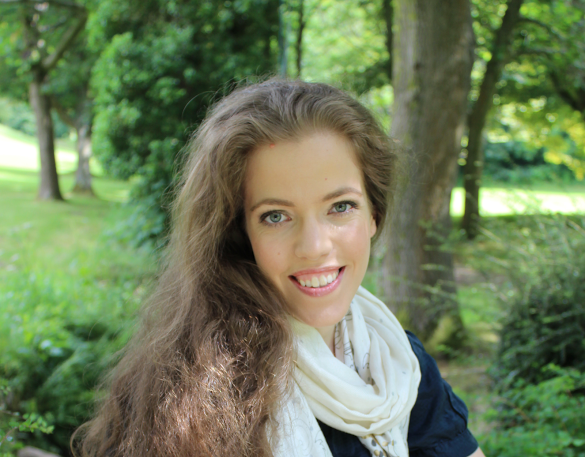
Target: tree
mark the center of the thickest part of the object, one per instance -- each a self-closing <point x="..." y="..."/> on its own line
<point x="302" y="22"/>
<point x="536" y="54"/>
<point x="431" y="75"/>
<point x="70" y="98"/>
<point x="43" y="47"/>
<point x="282" y="40"/>
<point x="162" y="65"/>
<point x="474" y="164"/>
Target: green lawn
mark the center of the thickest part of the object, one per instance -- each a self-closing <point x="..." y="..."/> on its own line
<point x="51" y="235"/>
<point x="501" y="201"/>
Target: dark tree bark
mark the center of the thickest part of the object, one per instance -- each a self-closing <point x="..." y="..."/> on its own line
<point x="282" y="44"/>
<point x="473" y="169"/>
<point x="388" y="13"/>
<point x="432" y="57"/>
<point x="41" y="105"/>
<point x="299" y="44"/>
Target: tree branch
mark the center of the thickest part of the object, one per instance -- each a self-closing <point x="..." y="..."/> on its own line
<point x="547" y="27"/>
<point x="50" y="61"/>
<point x="55" y="26"/>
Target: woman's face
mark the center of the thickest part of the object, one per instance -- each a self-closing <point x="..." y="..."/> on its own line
<point x="309" y="222"/>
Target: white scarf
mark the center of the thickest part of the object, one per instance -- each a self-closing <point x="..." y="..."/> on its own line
<point x="367" y="388"/>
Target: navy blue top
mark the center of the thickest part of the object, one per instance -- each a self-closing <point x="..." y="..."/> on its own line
<point x="438" y="421"/>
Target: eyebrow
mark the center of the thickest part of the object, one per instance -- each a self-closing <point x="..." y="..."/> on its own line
<point x="330" y="196"/>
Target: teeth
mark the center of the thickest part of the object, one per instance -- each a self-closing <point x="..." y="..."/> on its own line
<point x="319" y="281"/>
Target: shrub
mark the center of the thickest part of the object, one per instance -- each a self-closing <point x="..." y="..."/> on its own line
<point x="544" y="419"/>
<point x="11" y="423"/>
<point x="544" y="264"/>
<point x="58" y="333"/>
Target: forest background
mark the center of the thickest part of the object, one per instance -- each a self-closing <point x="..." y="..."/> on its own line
<point x="485" y="256"/>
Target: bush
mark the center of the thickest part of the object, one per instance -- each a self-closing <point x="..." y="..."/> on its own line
<point x="544" y="419"/>
<point x="543" y="258"/>
<point x="12" y="422"/>
<point x="58" y="333"/>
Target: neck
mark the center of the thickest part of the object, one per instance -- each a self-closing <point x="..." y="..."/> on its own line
<point x="328" y="334"/>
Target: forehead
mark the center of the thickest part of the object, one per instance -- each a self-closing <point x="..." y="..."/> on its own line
<point x="304" y="169"/>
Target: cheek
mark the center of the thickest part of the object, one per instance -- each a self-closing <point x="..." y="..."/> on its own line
<point x="355" y="243"/>
<point x="269" y="255"/>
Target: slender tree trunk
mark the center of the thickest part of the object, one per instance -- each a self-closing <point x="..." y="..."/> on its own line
<point x="83" y="175"/>
<point x="432" y="58"/>
<point x="81" y="121"/>
<point x="473" y="169"/>
<point x="300" y="37"/>
<point x="41" y="104"/>
<point x="388" y="13"/>
<point x="282" y="44"/>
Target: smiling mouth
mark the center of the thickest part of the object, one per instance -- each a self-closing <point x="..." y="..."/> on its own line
<point x="317" y="281"/>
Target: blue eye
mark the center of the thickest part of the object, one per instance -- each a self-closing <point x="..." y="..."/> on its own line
<point x="341" y="207"/>
<point x="274" y="218"/>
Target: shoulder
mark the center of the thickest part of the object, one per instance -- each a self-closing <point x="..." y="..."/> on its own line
<point x="438" y="421"/>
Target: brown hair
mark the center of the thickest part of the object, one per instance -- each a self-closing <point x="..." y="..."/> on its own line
<point x="212" y="360"/>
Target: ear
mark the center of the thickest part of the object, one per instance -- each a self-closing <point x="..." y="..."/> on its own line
<point x="373" y="226"/>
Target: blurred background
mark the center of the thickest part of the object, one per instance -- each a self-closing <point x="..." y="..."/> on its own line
<point x="485" y="255"/>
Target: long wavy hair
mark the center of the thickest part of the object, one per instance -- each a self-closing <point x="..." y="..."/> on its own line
<point x="211" y="362"/>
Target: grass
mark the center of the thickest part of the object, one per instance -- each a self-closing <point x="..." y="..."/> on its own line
<point x="504" y="200"/>
<point x="50" y="235"/>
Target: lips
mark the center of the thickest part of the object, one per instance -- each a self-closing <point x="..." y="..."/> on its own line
<point x="305" y="280"/>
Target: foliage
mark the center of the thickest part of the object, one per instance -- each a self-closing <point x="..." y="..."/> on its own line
<point x="544" y="419"/>
<point x="18" y="115"/>
<point x="12" y="423"/>
<point x="59" y="334"/>
<point x="162" y="65"/>
<point x="543" y="260"/>
<point x="346" y="44"/>
<point x="516" y="162"/>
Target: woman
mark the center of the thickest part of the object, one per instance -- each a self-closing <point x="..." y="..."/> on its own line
<point x="259" y="339"/>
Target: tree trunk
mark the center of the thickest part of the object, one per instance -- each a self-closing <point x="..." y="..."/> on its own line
<point x="83" y="175"/>
<point x="473" y="169"/>
<point x="388" y="13"/>
<point x="282" y="41"/>
<point x="80" y="120"/>
<point x="432" y="57"/>
<point x="49" y="187"/>
<point x="300" y="37"/>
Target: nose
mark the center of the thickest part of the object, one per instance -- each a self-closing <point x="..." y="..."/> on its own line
<point x="313" y="240"/>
